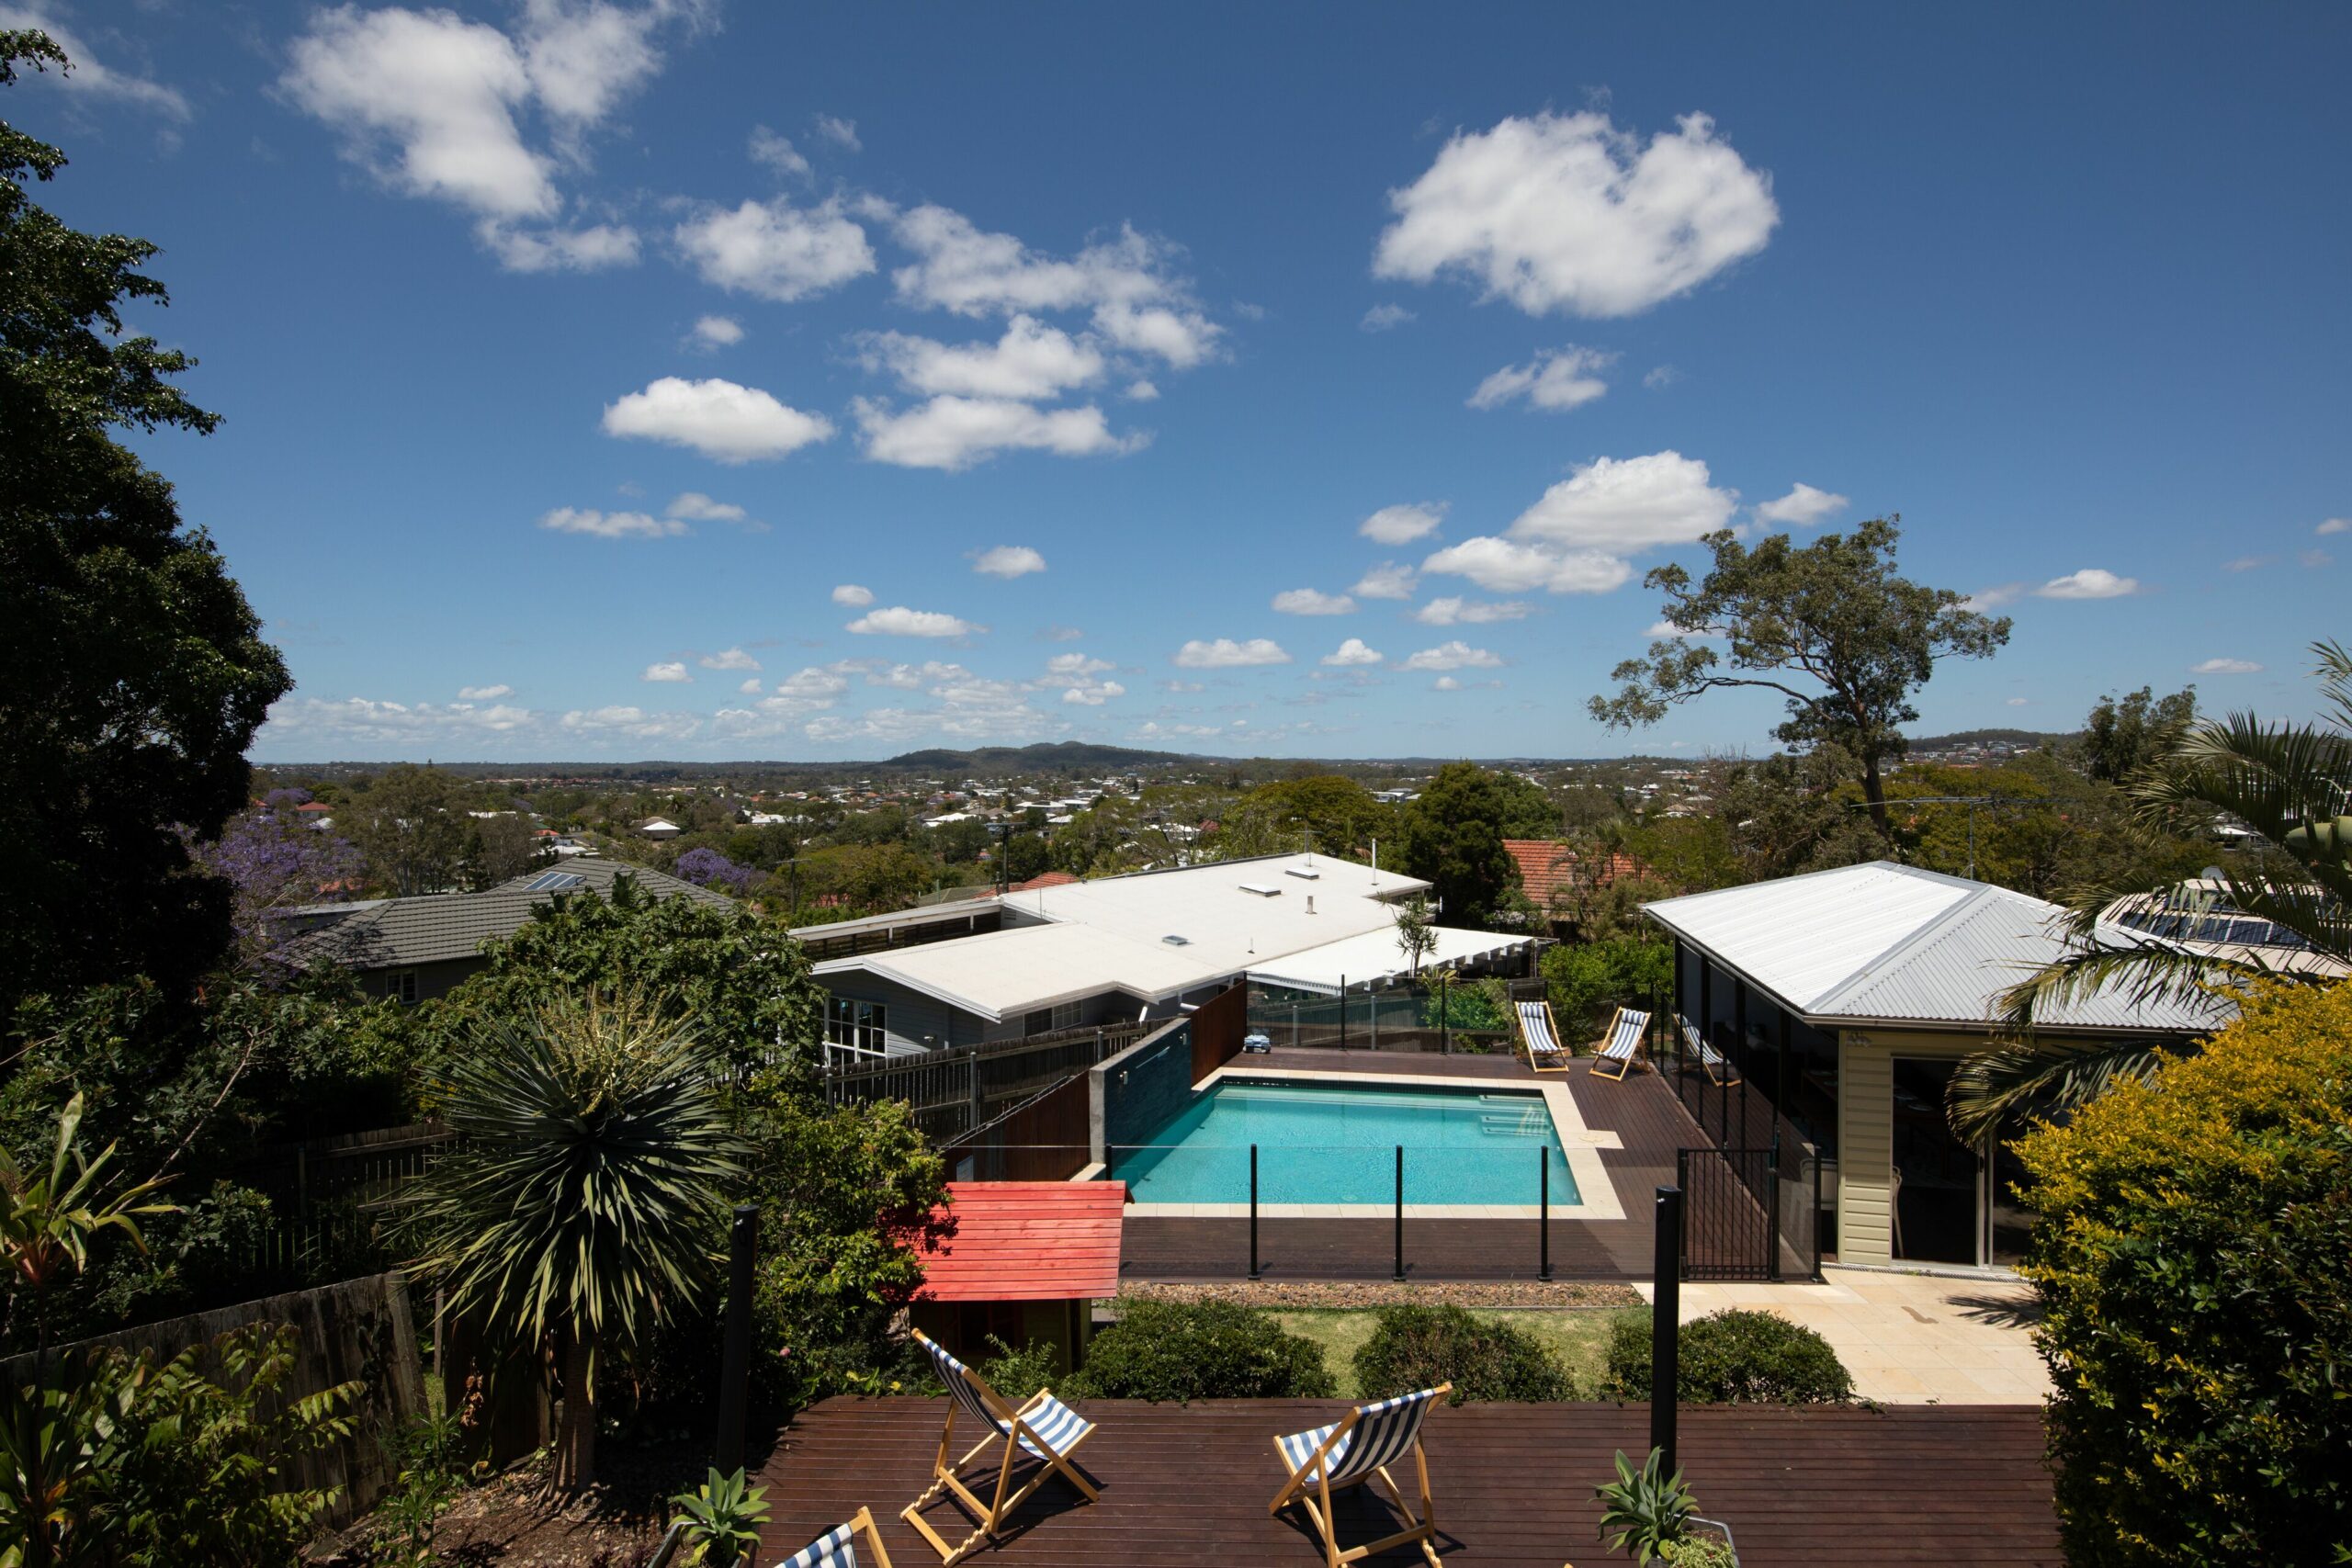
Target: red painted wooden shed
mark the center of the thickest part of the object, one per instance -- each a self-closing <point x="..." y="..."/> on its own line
<point x="1025" y="1262"/>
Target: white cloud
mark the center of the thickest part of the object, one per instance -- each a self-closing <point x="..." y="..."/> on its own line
<point x="485" y="693"/>
<point x="1030" y="361"/>
<point x="1386" y="581"/>
<point x="774" y="250"/>
<point x="1445" y="684"/>
<point x="716" y="418"/>
<point x="1625" y="504"/>
<point x="2335" y="525"/>
<point x="1802" y="507"/>
<point x="1667" y="629"/>
<point x="1093" y="694"/>
<point x="1403" y="524"/>
<point x="969" y="707"/>
<point x="1224" y="653"/>
<point x="1181" y="685"/>
<point x="1989" y="599"/>
<point x="1313" y="602"/>
<point x="1138" y="303"/>
<point x="718" y="332"/>
<point x="1565" y="212"/>
<point x="899" y="621"/>
<point x="2315" y="559"/>
<point x="1008" y="560"/>
<point x="955" y="433"/>
<point x="585" y="56"/>
<point x="1558" y="379"/>
<point x="610" y="524"/>
<point x="751" y="687"/>
<point x="1455" y="655"/>
<point x="363" y="720"/>
<point x="1660" y="377"/>
<point x="1140" y="392"/>
<point x="1350" y="654"/>
<point x="2091" y="582"/>
<point x="1061" y="634"/>
<point x="559" y="250"/>
<point x="693" y="504"/>
<point x="2019" y="702"/>
<point x="841" y="133"/>
<point x="1502" y="565"/>
<point x="1384" y="317"/>
<point x="730" y="658"/>
<point x="2226" y="667"/>
<point x="776" y="152"/>
<point x="1456" y="611"/>
<point x="88" y="75"/>
<point x="673" y="673"/>
<point x="633" y="723"/>
<point x="851" y="595"/>
<point x="2247" y="563"/>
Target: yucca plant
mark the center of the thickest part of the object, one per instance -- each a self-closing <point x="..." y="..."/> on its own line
<point x="2286" y="782"/>
<point x="1648" y="1510"/>
<point x="580" y="1205"/>
<point x="721" y="1519"/>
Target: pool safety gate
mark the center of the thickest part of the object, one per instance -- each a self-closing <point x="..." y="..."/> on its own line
<point x="1745" y="1218"/>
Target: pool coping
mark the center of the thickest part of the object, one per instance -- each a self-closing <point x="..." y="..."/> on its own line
<point x="1579" y="1145"/>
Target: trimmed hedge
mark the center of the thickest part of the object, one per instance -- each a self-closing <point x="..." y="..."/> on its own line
<point x="1484" y="1359"/>
<point x="1180" y="1350"/>
<point x="1732" y="1358"/>
<point x="2192" y="1261"/>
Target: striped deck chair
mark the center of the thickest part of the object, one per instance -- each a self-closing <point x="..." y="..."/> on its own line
<point x="1718" y="1065"/>
<point x="1539" y="1038"/>
<point x="838" y="1548"/>
<point x="1621" y="1045"/>
<point x="1045" y="1428"/>
<point x="1351" y="1450"/>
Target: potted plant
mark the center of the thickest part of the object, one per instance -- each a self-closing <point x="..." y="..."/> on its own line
<point x="1654" y="1516"/>
<point x="720" y="1520"/>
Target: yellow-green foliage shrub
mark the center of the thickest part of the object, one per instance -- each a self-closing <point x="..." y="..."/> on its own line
<point x="2195" y="1263"/>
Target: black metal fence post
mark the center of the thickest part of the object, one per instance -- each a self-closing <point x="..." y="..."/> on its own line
<point x="1400" y="1213"/>
<point x="1665" y="1324"/>
<point x="735" y="1365"/>
<point x="1253" y="1210"/>
<point x="1543" y="1212"/>
<point x="1816" y="1216"/>
<point x="1772" y="1187"/>
<point x="1444" y="1018"/>
<point x="1343" y="1012"/>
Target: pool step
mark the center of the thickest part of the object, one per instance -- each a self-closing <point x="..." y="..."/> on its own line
<point x="1506" y="1124"/>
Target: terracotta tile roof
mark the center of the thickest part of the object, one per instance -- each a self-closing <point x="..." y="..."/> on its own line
<point x="1547" y="866"/>
<point x="1047" y="879"/>
<point x="1027" y="1241"/>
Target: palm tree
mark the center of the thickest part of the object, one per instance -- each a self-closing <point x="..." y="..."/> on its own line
<point x="2286" y="782"/>
<point x="581" y="1203"/>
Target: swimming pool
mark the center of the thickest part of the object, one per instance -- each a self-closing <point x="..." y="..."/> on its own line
<point x="1321" y="1143"/>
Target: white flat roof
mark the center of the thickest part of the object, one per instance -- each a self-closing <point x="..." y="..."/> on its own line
<point x="1374" y="956"/>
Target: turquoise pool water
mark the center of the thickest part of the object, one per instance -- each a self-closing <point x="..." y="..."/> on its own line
<point x="1337" y="1144"/>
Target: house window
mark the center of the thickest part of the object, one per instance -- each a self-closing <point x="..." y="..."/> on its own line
<point x="404" y="986"/>
<point x="1066" y="1014"/>
<point x="856" y="1026"/>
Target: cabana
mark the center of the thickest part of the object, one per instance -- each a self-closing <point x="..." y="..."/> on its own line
<point x="1025" y="1262"/>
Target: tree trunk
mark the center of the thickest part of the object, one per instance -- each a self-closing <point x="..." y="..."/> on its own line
<point x="576" y="1434"/>
<point x="1874" y="790"/>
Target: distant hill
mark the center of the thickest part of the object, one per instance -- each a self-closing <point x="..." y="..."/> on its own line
<point x="2024" y="739"/>
<point x="1063" y="756"/>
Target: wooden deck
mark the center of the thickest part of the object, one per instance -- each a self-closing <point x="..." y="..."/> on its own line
<point x="1187" y="1485"/>
<point x="1642" y="1111"/>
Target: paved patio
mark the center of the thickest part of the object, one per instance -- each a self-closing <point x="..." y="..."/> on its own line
<point x="1184" y="1486"/>
<point x="1908" y="1339"/>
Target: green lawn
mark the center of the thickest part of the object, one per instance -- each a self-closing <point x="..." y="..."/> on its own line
<point x="1578" y="1339"/>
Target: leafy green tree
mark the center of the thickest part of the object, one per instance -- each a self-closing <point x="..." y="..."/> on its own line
<point x="2123" y="736"/>
<point x="1278" y="819"/>
<point x="868" y="878"/>
<point x="1830" y="628"/>
<point x="1587" y="982"/>
<point x="1454" y="833"/>
<point x="132" y="673"/>
<point x="1415" y="931"/>
<point x="1688" y="854"/>
<point x="1026" y="855"/>
<point x="499" y="849"/>
<point x="411" y="825"/>
<point x="580" y="1204"/>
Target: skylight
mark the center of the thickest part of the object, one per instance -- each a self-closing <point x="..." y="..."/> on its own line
<point x="1261" y="890"/>
<point x="1305" y="872"/>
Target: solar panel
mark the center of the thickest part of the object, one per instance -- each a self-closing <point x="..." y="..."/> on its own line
<point x="555" y="882"/>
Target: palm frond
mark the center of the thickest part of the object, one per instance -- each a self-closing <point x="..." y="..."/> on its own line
<point x="2040" y="1080"/>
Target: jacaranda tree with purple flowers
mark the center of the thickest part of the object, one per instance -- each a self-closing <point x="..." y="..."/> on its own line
<point x="708" y="868"/>
<point x="276" y="861"/>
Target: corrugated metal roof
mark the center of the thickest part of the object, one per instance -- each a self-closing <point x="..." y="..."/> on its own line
<point x="397" y="933"/>
<point x="1892" y="943"/>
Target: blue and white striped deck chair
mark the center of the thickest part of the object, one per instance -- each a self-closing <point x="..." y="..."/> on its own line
<point x="1718" y="1065"/>
<point x="1620" y="1045"/>
<point x="838" y="1548"/>
<point x="1544" y="1052"/>
<point x="1045" y="1428"/>
<point x="1351" y="1450"/>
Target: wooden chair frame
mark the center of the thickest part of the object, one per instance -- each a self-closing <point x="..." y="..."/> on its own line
<point x="1420" y="1531"/>
<point x="1711" y="1062"/>
<point x="1005" y="1499"/>
<point x="1527" y="1047"/>
<point x="1625" y="1065"/>
<point x="864" y="1526"/>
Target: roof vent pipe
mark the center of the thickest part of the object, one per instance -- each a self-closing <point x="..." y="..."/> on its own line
<point x="1310" y="903"/>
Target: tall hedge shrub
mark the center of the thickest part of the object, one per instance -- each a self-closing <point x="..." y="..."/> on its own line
<point x="1484" y="1358"/>
<point x="2195" y="1264"/>
<point x="1185" y="1351"/>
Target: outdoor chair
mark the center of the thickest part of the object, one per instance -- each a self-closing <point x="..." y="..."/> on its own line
<point x="1621" y="1045"/>
<point x="1541" y="1038"/>
<point x="1045" y="1428"/>
<point x="838" y="1548"/>
<point x="1718" y="1066"/>
<point x="1351" y="1450"/>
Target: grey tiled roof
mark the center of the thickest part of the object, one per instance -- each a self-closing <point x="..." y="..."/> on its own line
<point x="399" y="933"/>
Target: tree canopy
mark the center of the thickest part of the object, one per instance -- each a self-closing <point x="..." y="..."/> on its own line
<point x="132" y="673"/>
<point x="1453" y="837"/>
<point x="1830" y="628"/>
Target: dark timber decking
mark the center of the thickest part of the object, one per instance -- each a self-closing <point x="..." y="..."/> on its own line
<point x="1187" y="1485"/>
<point x="1642" y="1111"/>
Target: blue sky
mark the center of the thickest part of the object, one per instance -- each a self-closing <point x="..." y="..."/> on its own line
<point x="624" y="381"/>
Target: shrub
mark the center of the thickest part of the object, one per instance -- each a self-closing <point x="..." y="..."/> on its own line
<point x="1732" y="1358"/>
<point x="1484" y="1358"/>
<point x="1185" y="1350"/>
<point x="2196" y="1318"/>
<point x="1587" y="982"/>
<point x="1017" y="1373"/>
